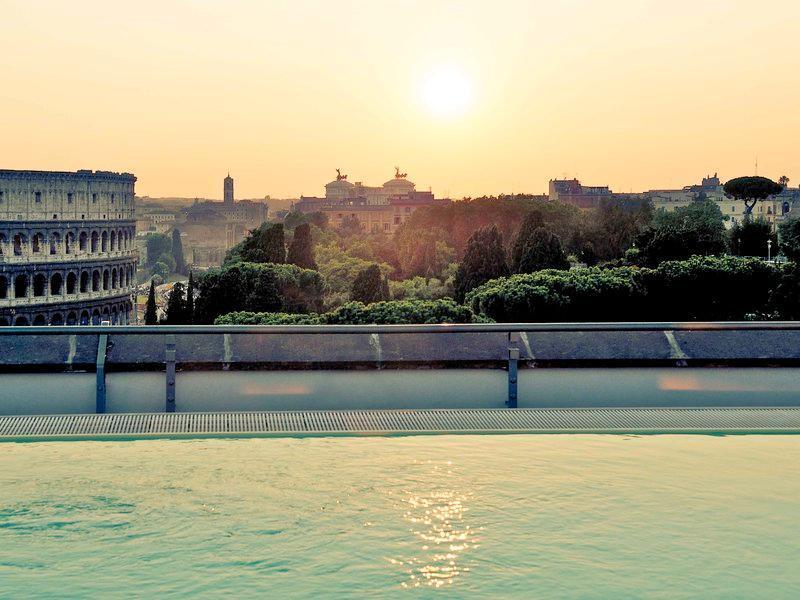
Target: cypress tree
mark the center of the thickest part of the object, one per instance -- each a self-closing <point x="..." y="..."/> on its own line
<point x="370" y="286"/>
<point x="177" y="252"/>
<point x="176" y="306"/>
<point x="150" y="315"/>
<point x="484" y="259"/>
<point x="301" y="250"/>
<point x="190" y="300"/>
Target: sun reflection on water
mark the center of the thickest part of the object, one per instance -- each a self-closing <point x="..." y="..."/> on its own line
<point x="437" y="518"/>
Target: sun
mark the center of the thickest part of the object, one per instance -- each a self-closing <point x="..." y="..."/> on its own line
<point x="446" y="92"/>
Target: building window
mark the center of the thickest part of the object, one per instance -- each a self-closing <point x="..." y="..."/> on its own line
<point x="397" y="220"/>
<point x="408" y="209"/>
<point x="69" y="198"/>
<point x="38" y="197"/>
<point x="112" y="198"/>
<point x="94" y="198"/>
<point x="386" y="227"/>
<point x="2" y="196"/>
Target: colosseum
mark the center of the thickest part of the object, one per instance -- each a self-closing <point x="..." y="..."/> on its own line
<point x="67" y="252"/>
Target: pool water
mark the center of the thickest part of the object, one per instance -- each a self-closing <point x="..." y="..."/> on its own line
<point x="526" y="516"/>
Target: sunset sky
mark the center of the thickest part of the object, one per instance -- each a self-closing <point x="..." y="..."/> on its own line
<point x="469" y="98"/>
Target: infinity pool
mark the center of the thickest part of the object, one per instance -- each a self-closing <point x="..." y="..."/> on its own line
<point x="442" y="516"/>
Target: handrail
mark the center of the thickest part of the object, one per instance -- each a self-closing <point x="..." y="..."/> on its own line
<point x="398" y="329"/>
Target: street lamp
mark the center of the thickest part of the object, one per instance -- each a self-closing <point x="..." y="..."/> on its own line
<point x="769" y="250"/>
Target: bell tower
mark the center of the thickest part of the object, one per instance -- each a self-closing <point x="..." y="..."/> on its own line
<point x="227" y="190"/>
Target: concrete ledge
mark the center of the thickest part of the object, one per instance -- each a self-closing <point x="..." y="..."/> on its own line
<point x="404" y="422"/>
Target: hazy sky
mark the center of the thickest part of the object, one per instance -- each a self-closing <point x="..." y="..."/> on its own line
<point x="467" y="97"/>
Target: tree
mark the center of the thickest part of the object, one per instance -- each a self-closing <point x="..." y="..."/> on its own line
<point x="301" y="250"/>
<point x="161" y="269"/>
<point x="750" y="238"/>
<point x="264" y="244"/>
<point x="789" y="231"/>
<point x="484" y="259"/>
<point x="370" y="286"/>
<point x="190" y="299"/>
<point x="293" y="219"/>
<point x="265" y="296"/>
<point x="750" y="190"/>
<point x="783" y="181"/>
<point x="157" y="245"/>
<point x="177" y="252"/>
<point x="696" y="229"/>
<point x="175" y="313"/>
<point x="541" y="250"/>
<point x="150" y="315"/>
<point x="350" y="225"/>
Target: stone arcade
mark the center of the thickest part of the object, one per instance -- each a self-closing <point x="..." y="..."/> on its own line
<point x="67" y="253"/>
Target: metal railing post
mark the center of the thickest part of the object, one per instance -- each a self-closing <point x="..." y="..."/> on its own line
<point x="513" y="360"/>
<point x="170" y="368"/>
<point x="100" y="392"/>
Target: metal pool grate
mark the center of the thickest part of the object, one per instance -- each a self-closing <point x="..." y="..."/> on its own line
<point x="389" y="422"/>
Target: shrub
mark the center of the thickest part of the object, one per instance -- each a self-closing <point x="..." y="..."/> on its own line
<point x="701" y="288"/>
<point x="591" y="294"/>
<point x="249" y="286"/>
<point x="356" y="313"/>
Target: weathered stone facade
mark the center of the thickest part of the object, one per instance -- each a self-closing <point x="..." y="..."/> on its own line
<point x="67" y="252"/>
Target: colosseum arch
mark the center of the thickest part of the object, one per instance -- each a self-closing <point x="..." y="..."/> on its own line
<point x="4" y="322"/>
<point x="2" y="244"/>
<point x="113" y="242"/>
<point x="3" y="286"/>
<point x="39" y="284"/>
<point x="57" y="319"/>
<point x="84" y="282"/>
<point x="37" y="241"/>
<point x="56" y="284"/>
<point x="104" y="242"/>
<point x="21" y="286"/>
<point x="55" y="243"/>
<point x="83" y="241"/>
<point x="114" y="278"/>
<point x="106" y="278"/>
<point x="95" y="238"/>
<point x="95" y="280"/>
<point x="72" y="318"/>
<point x="21" y="320"/>
<point x="96" y="317"/>
<point x="84" y="317"/>
<point x="19" y="243"/>
<point x="40" y="319"/>
<point x="72" y="279"/>
<point x="69" y="242"/>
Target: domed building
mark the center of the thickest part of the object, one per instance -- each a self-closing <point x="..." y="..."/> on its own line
<point x="67" y="252"/>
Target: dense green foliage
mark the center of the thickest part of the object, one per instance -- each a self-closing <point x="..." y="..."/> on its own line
<point x="750" y="238"/>
<point x="356" y="313"/>
<point x="370" y="286"/>
<point x="789" y="232"/>
<point x="536" y="248"/>
<point x="264" y="244"/>
<point x="177" y="311"/>
<point x="150" y="315"/>
<point x="257" y="287"/>
<point x="696" y="229"/>
<point x="701" y="288"/>
<point x="156" y="245"/>
<point x="301" y="250"/>
<point x="190" y="299"/>
<point x="484" y="259"/>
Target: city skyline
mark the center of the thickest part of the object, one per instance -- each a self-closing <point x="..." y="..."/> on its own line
<point x="469" y="99"/>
